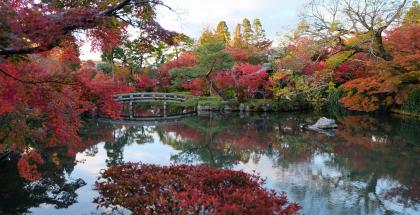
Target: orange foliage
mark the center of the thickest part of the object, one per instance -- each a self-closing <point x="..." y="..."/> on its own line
<point x="27" y="166"/>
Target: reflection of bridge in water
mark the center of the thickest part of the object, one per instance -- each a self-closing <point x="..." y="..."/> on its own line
<point x="165" y="98"/>
<point x="147" y="121"/>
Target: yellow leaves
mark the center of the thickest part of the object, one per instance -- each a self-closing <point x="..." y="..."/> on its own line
<point x="359" y="39"/>
<point x="335" y="27"/>
<point x="279" y="76"/>
<point x="413" y="76"/>
<point x="29" y="43"/>
<point x="389" y="101"/>
<point x="413" y="14"/>
<point x="339" y="58"/>
<point x="55" y="159"/>
<point x="300" y="29"/>
<point x="281" y="91"/>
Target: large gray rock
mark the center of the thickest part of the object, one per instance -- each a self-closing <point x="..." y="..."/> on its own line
<point x="323" y="123"/>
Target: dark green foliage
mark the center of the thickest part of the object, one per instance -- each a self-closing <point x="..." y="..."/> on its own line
<point x="105" y="68"/>
<point x="413" y="103"/>
<point x="212" y="56"/>
<point x="212" y="102"/>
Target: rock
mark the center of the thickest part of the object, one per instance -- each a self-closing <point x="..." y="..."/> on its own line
<point x="242" y="107"/>
<point x="247" y="108"/>
<point x="323" y="123"/>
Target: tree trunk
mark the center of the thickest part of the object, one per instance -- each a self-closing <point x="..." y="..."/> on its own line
<point x="382" y="53"/>
<point x="216" y="89"/>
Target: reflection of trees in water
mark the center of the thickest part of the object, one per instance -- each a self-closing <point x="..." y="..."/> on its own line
<point x="53" y="187"/>
<point x="366" y="153"/>
<point x="220" y="140"/>
<point x="123" y="136"/>
<point x="19" y="195"/>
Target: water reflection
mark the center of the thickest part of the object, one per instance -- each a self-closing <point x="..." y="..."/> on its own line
<point x="54" y="187"/>
<point x="370" y="165"/>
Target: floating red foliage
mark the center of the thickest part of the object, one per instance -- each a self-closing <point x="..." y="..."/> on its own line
<point x="185" y="189"/>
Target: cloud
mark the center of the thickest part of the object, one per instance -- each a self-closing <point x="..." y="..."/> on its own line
<point x="191" y="16"/>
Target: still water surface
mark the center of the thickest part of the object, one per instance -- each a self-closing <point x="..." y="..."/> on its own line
<point x="369" y="165"/>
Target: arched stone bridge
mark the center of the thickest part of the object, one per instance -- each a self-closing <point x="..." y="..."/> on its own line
<point x="151" y="97"/>
<point x="130" y="98"/>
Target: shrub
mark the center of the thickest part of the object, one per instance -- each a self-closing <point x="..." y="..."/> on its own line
<point x="212" y="102"/>
<point x="413" y="102"/>
<point x="185" y="189"/>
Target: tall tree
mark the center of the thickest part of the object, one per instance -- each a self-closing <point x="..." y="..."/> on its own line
<point x="259" y="39"/>
<point x="222" y="32"/>
<point x="238" y="39"/>
<point x="183" y="43"/>
<point x="247" y="32"/>
<point x="211" y="59"/>
<point x="332" y="20"/>
<point x="207" y="36"/>
<point x="42" y="95"/>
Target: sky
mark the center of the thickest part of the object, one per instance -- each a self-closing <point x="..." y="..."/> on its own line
<point x="191" y="16"/>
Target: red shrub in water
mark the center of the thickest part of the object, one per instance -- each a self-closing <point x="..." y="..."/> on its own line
<point x="184" y="189"/>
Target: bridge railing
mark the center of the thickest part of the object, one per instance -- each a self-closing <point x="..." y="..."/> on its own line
<point x="152" y="97"/>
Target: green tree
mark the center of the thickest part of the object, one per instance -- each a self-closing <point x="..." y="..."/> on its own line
<point x="247" y="32"/>
<point x="222" y="32"/>
<point x="260" y="40"/>
<point x="211" y="58"/>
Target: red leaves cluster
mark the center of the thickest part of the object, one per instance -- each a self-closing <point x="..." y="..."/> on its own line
<point x="27" y="166"/>
<point x="145" y="83"/>
<point x="184" y="189"/>
<point x="186" y="59"/>
<point x="238" y="55"/>
<point x="198" y="86"/>
<point x="43" y="103"/>
<point x="395" y="79"/>
<point x="98" y="92"/>
<point x="350" y="70"/>
<point x="310" y="69"/>
<point x="405" y="46"/>
<point x="244" y="78"/>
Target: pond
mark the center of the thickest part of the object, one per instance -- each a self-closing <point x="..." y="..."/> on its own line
<point x="369" y="165"/>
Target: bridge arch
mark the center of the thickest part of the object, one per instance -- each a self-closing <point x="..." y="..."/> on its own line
<point x="131" y="98"/>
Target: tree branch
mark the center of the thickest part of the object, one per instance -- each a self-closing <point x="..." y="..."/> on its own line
<point x="2" y="71"/>
<point x="88" y="23"/>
